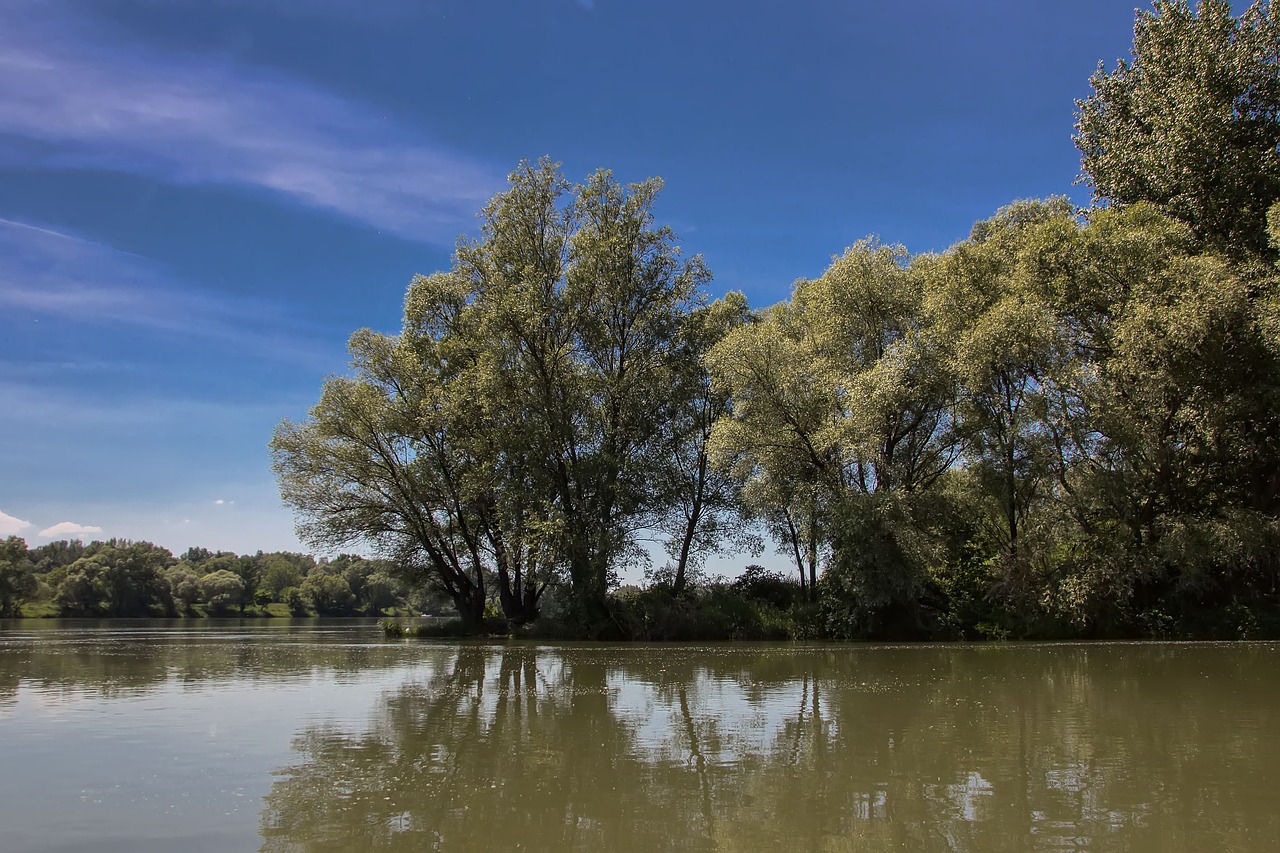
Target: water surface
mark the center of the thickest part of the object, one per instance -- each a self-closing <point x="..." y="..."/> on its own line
<point x="323" y="736"/>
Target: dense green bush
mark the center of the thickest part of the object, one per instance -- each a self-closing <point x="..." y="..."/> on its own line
<point x="221" y="590"/>
<point x="330" y="595"/>
<point x="119" y="579"/>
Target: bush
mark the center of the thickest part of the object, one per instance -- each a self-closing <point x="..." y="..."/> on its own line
<point x="120" y="579"/>
<point x="221" y="590"/>
<point x="330" y="595"/>
<point x="295" y="601"/>
<point x="713" y="612"/>
<point x="759" y="585"/>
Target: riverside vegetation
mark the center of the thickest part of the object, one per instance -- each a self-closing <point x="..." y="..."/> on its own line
<point x="1066" y="425"/>
<point x="137" y="579"/>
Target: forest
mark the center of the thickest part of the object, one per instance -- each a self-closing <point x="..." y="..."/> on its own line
<point x="122" y="578"/>
<point x="1065" y="425"/>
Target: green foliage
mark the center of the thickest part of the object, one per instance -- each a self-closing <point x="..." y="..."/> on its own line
<point x="380" y="592"/>
<point x="296" y="601"/>
<point x="878" y="570"/>
<point x="17" y="581"/>
<point x="278" y="575"/>
<point x="839" y="392"/>
<point x="372" y="582"/>
<point x="328" y="594"/>
<point x="184" y="584"/>
<point x="712" y="612"/>
<point x="508" y="434"/>
<point x="763" y="587"/>
<point x="119" y="579"/>
<point x="1192" y="123"/>
<point x="57" y="554"/>
<point x="221" y="589"/>
<point x="244" y="568"/>
<point x="116" y="578"/>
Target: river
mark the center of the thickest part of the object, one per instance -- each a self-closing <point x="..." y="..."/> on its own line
<point x="307" y="735"/>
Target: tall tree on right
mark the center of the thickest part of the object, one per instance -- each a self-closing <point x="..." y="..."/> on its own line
<point x="1192" y="123"/>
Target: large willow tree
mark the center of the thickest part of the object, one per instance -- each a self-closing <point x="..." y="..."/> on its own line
<point x="536" y="412"/>
<point x="839" y="403"/>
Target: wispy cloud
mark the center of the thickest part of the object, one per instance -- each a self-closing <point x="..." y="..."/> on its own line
<point x="91" y="98"/>
<point x="10" y="526"/>
<point x="60" y="408"/>
<point x="68" y="528"/>
<point x="56" y="274"/>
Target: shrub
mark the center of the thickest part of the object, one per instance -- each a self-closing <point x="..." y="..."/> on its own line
<point x="330" y="595"/>
<point x="221" y="590"/>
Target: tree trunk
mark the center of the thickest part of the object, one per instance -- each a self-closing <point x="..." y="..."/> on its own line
<point x="470" y="605"/>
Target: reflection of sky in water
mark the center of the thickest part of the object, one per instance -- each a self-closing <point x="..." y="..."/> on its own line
<point x="120" y="750"/>
<point x="731" y="722"/>
<point x="154" y="740"/>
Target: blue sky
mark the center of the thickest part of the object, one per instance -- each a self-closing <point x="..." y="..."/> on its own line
<point x="201" y="199"/>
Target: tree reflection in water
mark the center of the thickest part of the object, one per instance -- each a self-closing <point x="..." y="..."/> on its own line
<point x="804" y="749"/>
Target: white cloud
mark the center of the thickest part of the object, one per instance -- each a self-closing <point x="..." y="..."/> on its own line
<point x="94" y="99"/>
<point x="221" y="502"/>
<point x="69" y="528"/>
<point x="10" y="526"/>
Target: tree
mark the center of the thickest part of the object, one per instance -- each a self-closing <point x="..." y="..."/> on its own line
<point x="1117" y="388"/>
<point x="221" y="589"/>
<point x="699" y="504"/>
<point x="278" y="575"/>
<point x="578" y="309"/>
<point x="119" y="578"/>
<point x="837" y="393"/>
<point x="57" y="554"/>
<point x="244" y="568"/>
<point x="1192" y="123"/>
<point x="370" y="581"/>
<point x="197" y="556"/>
<point x="17" y="583"/>
<point x="1181" y="395"/>
<point x="296" y="601"/>
<point x="329" y="594"/>
<point x="1003" y="341"/>
<point x="508" y="432"/>
<point x="375" y="463"/>
<point x="184" y="583"/>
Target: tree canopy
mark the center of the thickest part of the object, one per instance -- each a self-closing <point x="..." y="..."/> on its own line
<point x="1192" y="122"/>
<point x="1066" y="424"/>
<point x="521" y="425"/>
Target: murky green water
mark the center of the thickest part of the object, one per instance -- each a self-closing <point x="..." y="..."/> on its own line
<point x="134" y="737"/>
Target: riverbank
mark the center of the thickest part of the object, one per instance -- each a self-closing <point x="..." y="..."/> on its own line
<point x="778" y="612"/>
<point x="272" y="610"/>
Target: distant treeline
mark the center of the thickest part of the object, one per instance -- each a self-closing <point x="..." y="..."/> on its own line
<point x="119" y="577"/>
<point x="1066" y="425"/>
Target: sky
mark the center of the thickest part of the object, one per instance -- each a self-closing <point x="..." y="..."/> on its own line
<point x="200" y="200"/>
